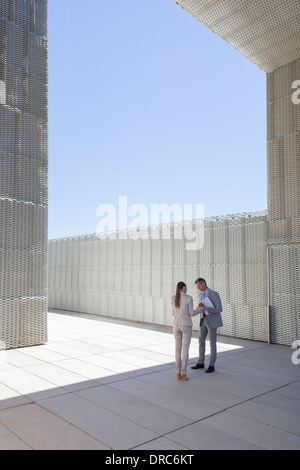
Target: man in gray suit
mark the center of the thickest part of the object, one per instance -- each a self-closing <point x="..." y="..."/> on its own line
<point x="209" y="324"/>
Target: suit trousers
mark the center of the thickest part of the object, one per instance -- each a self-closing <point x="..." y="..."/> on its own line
<point x="212" y="334"/>
<point x="183" y="336"/>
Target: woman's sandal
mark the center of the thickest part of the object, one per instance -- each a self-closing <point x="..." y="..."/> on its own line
<point x="184" y="377"/>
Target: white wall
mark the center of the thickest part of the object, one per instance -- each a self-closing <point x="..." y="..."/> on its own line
<point x="135" y="279"/>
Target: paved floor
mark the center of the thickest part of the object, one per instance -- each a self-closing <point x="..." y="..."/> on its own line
<point x="107" y="384"/>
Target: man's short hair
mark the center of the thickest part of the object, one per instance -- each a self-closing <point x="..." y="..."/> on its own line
<point x="200" y="280"/>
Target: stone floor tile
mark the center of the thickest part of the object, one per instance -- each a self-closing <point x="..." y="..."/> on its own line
<point x="253" y="432"/>
<point x="40" y="429"/>
<point x="103" y="425"/>
<point x="199" y="436"/>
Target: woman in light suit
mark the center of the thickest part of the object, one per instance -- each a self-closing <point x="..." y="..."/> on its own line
<point x="182" y="309"/>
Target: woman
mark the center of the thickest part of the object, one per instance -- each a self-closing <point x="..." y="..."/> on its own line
<point x="182" y="305"/>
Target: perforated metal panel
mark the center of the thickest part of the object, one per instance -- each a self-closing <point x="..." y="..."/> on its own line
<point x="283" y="156"/>
<point x="284" y="262"/>
<point x="23" y="175"/>
<point x="284" y="203"/>
<point x="135" y="279"/>
<point x="265" y="31"/>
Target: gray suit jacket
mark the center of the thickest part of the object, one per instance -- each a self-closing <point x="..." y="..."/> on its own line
<point x="214" y="319"/>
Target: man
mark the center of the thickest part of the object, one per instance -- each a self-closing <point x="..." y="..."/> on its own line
<point x="209" y="324"/>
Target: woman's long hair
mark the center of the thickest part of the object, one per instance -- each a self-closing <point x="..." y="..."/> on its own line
<point x="180" y="286"/>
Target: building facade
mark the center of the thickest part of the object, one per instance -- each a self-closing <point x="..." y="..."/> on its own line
<point x="252" y="260"/>
<point x="259" y="286"/>
<point x="267" y="32"/>
<point x="135" y="278"/>
<point x="23" y="172"/>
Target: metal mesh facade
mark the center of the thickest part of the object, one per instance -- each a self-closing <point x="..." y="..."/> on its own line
<point x="135" y="279"/>
<point x="266" y="31"/>
<point x="23" y="176"/>
<point x="284" y="262"/>
<point x="284" y="203"/>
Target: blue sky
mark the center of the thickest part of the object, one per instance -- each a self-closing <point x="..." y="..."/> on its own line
<point x="146" y="102"/>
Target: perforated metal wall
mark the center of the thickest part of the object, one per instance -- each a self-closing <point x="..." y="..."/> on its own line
<point x="283" y="155"/>
<point x="266" y="31"/>
<point x="284" y="202"/>
<point x="284" y="262"/>
<point x="135" y="279"/>
<point x="23" y="172"/>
